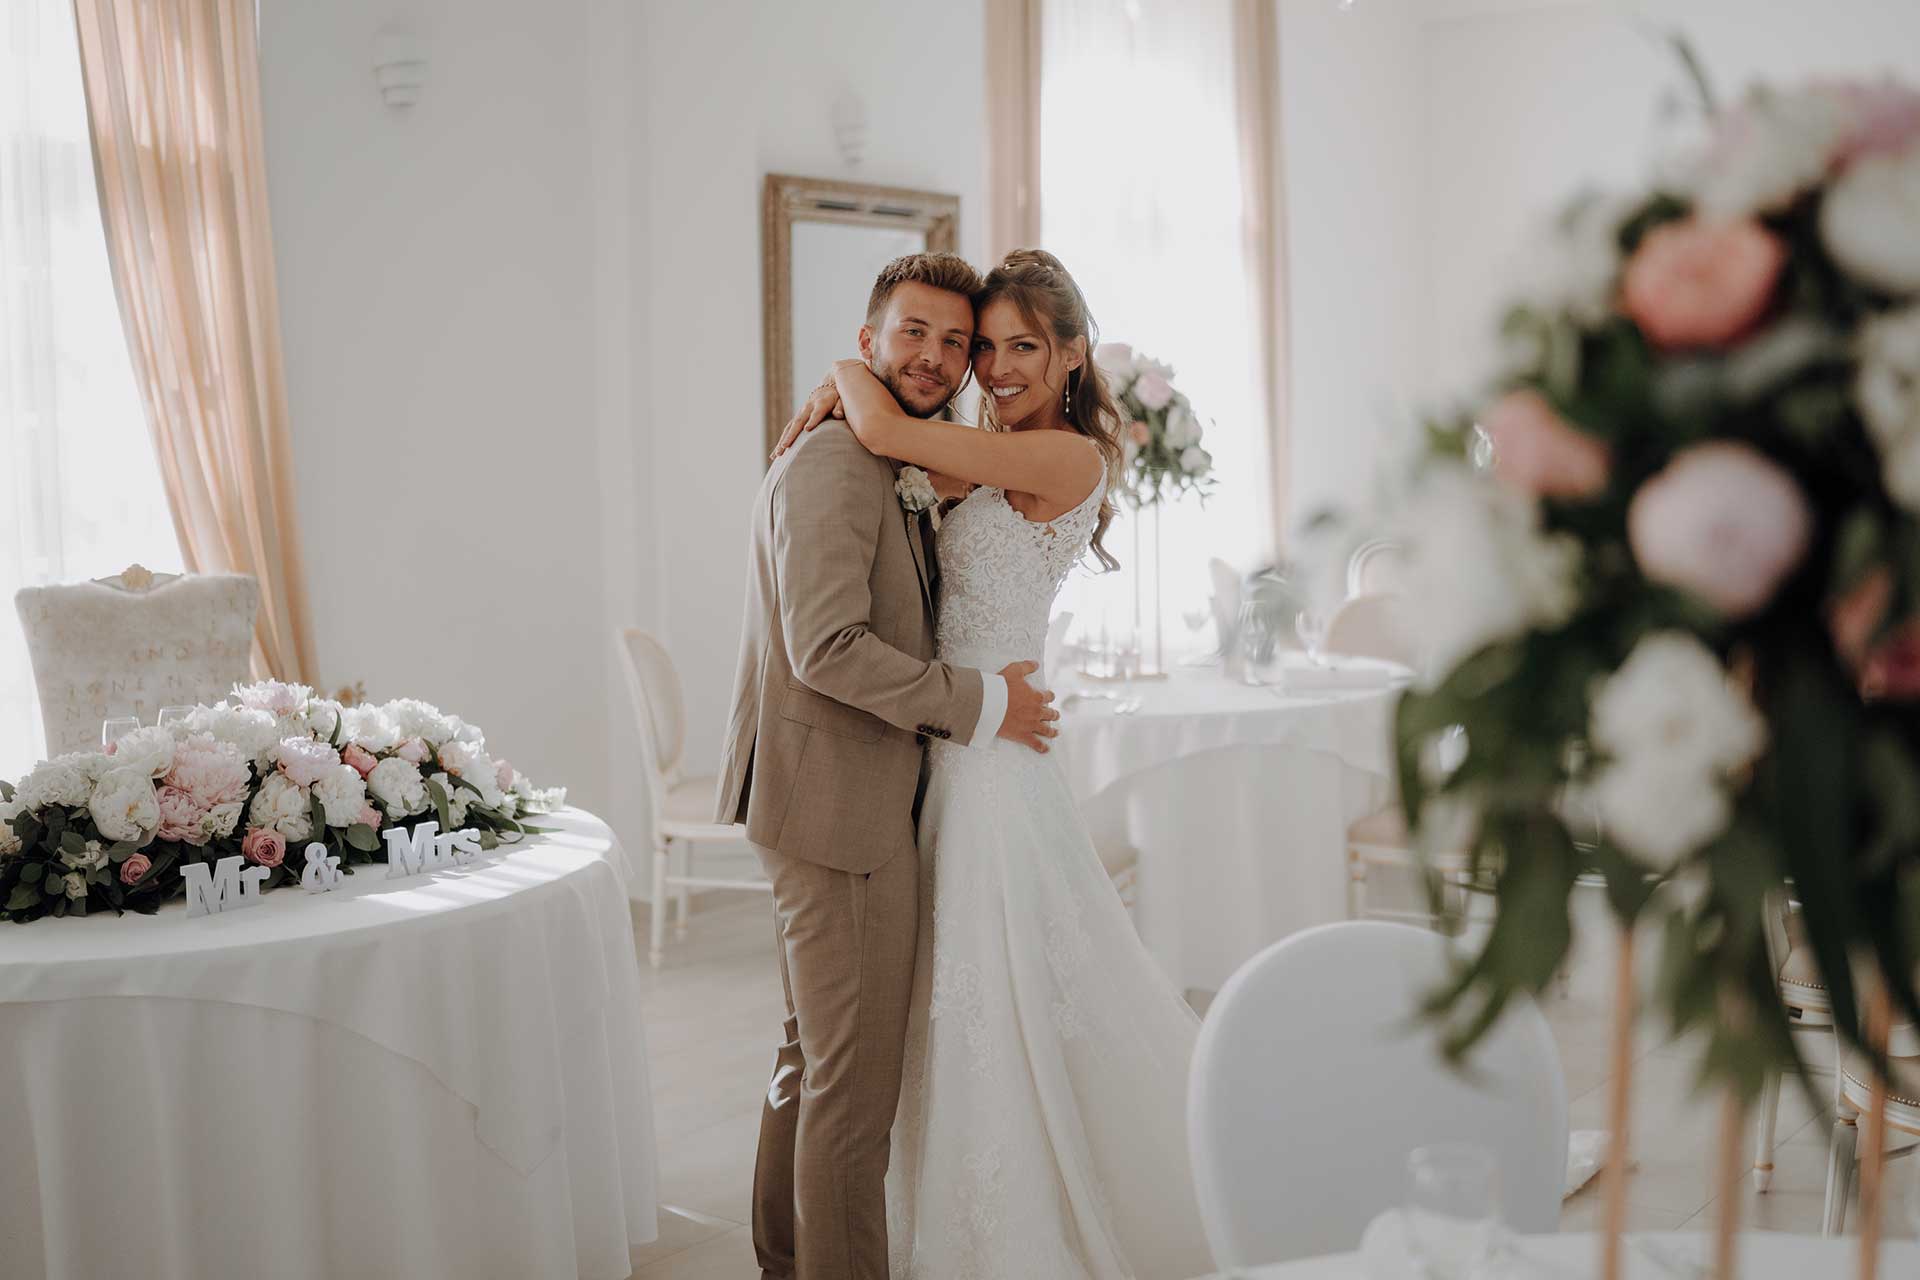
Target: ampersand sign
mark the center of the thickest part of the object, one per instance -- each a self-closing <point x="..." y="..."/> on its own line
<point x="323" y="871"/>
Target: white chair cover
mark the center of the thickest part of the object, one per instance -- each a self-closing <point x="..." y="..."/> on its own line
<point x="1312" y="1081"/>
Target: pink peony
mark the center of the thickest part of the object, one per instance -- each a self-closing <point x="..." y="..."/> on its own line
<point x="1153" y="390"/>
<point x="360" y="758"/>
<point x="305" y="760"/>
<point x="1883" y="118"/>
<point x="182" y="819"/>
<point x="413" y="751"/>
<point x="1538" y="452"/>
<point x="212" y="772"/>
<point x="264" y="847"/>
<point x="273" y="695"/>
<point x="136" y="865"/>
<point x="1701" y="284"/>
<point x="369" y="816"/>
<point x="1722" y="522"/>
<point x="1138" y="433"/>
<point x="502" y="775"/>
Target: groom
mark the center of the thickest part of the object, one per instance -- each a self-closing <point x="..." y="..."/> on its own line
<point x="835" y="700"/>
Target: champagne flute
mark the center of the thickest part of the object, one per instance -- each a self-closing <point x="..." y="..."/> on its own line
<point x="114" y="728"/>
<point x="173" y="715"/>
<point x="1311" y="626"/>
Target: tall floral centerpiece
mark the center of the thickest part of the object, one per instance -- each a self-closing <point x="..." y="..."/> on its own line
<point x="1163" y="456"/>
<point x="1670" y="566"/>
<point x="275" y="770"/>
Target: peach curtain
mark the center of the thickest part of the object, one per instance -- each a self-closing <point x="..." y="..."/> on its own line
<point x="173" y="101"/>
<point x="1013" y="127"/>
<point x="1256" y="69"/>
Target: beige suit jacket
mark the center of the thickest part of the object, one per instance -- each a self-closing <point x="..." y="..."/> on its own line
<point x="837" y="691"/>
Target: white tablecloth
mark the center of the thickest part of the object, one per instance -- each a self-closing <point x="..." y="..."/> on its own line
<point x="437" y="1076"/>
<point x="1764" y="1255"/>
<point x="1236" y="798"/>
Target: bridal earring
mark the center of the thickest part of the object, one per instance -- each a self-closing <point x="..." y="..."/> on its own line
<point x="1066" y="395"/>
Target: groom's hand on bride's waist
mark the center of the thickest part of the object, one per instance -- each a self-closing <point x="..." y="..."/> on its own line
<point x="1030" y="714"/>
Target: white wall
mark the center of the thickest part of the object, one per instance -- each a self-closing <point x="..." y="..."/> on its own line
<point x="522" y="325"/>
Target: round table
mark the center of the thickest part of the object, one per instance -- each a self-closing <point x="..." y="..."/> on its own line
<point x="443" y="1075"/>
<point x="1664" y="1255"/>
<point x="1235" y="797"/>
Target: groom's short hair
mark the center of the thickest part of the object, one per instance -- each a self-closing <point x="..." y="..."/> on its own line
<point x="947" y="271"/>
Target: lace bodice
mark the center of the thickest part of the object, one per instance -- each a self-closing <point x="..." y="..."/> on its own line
<point x="999" y="573"/>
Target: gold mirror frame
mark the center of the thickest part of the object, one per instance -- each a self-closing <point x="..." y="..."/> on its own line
<point x="787" y="199"/>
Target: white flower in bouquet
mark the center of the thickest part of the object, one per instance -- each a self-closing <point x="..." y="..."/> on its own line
<point x="1477" y="566"/>
<point x="1870" y="221"/>
<point x="1115" y="360"/>
<point x="322" y="717"/>
<point x="251" y="729"/>
<point x="397" y="785"/>
<point x="1196" y="461"/>
<point x="75" y="885"/>
<point x="1659" y="816"/>
<point x="342" y="793"/>
<point x="1153" y="388"/>
<point x="65" y="780"/>
<point x="372" y="728"/>
<point x="463" y="731"/>
<point x="222" y="819"/>
<point x="9" y="842"/>
<point x="149" y="750"/>
<point x="92" y="855"/>
<point x="303" y="760"/>
<point x="1572" y="265"/>
<point x="1771" y="148"/>
<point x="211" y="771"/>
<point x="124" y="805"/>
<point x="277" y="698"/>
<point x="1887" y="393"/>
<point x="282" y="804"/>
<point x="457" y="799"/>
<point x="1183" y="429"/>
<point x="416" y="719"/>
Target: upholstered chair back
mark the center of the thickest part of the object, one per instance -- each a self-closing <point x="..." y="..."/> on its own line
<point x="131" y="644"/>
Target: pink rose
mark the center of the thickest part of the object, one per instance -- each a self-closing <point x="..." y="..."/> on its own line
<point x="1138" y="433"/>
<point x="1153" y="390"/>
<point x="360" y="758"/>
<point x="264" y="847"/>
<point x="1538" y="452"/>
<point x="1701" y="284"/>
<point x="1722" y="522"/>
<point x="369" y="816"/>
<point x="136" y="865"/>
<point x="502" y="775"/>
<point x="413" y="751"/>
<point x="181" y="818"/>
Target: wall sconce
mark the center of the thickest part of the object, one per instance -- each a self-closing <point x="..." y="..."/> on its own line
<point x="399" y="66"/>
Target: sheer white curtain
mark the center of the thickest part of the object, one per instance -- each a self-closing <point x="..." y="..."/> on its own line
<point x="80" y="490"/>
<point x="1141" y="196"/>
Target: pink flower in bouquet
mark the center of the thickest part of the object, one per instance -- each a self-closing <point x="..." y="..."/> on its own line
<point x="305" y="760"/>
<point x="1153" y="390"/>
<point x="463" y="760"/>
<point x="502" y="775"/>
<point x="369" y="816"/>
<point x="1722" y="522"/>
<point x="136" y="865"/>
<point x="1139" y="434"/>
<point x="273" y="695"/>
<point x="212" y="772"/>
<point x="1893" y="669"/>
<point x="1700" y="283"/>
<point x="264" y="847"/>
<point x="1539" y="452"/>
<point x="1855" y="616"/>
<point x="1882" y="118"/>
<point x="360" y="758"/>
<point x="182" y="819"/>
<point x="413" y="751"/>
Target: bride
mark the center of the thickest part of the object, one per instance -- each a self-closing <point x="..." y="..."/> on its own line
<point x="1042" y="1123"/>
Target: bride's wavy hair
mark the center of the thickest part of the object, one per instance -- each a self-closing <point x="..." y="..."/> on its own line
<point x="1035" y="282"/>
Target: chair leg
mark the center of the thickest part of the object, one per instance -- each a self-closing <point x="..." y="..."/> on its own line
<point x="683" y="898"/>
<point x="1843" y="1165"/>
<point x="657" y="934"/>
<point x="1763" y="1139"/>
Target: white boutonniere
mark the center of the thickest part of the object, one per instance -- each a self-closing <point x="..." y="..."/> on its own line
<point x="917" y="493"/>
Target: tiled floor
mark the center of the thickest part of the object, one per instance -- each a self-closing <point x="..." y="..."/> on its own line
<point x="714" y="1010"/>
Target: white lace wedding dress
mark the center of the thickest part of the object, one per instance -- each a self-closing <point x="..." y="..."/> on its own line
<point x="1042" y="1123"/>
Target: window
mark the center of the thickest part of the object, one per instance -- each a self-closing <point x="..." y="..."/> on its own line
<point x="80" y="487"/>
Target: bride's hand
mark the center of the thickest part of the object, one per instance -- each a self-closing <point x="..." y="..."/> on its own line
<point x="824" y="403"/>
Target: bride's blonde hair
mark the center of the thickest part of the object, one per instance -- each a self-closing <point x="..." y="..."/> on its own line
<point x="1049" y="300"/>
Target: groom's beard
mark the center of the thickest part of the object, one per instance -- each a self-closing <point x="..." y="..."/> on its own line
<point x="912" y="396"/>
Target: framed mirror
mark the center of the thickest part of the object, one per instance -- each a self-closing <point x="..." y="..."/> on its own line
<point x="822" y="243"/>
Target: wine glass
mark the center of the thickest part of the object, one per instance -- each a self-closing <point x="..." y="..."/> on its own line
<point x="173" y="715"/>
<point x="1311" y="626"/>
<point x="114" y="728"/>
<point x="1450" y="1215"/>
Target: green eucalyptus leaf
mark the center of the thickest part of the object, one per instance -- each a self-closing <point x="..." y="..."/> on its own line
<point x="32" y="872"/>
<point x="363" y="837"/>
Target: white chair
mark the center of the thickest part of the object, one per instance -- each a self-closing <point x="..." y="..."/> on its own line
<point x="1375" y="568"/>
<point x="682" y="807"/>
<point x="1374" y="626"/>
<point x="1804" y="994"/>
<point x="1313" y="1080"/>
<point x="133" y="643"/>
<point x="1852" y="1098"/>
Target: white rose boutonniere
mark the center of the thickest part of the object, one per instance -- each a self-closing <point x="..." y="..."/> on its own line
<point x="917" y="493"/>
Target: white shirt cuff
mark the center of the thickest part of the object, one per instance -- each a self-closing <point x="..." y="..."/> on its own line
<point x="993" y="709"/>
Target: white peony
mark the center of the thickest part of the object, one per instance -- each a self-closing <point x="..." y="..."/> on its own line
<point x="222" y="819"/>
<point x="1772" y="147"/>
<point x="1116" y="360"/>
<point x="1477" y="566"/>
<point x="1870" y="221"/>
<point x="323" y="716"/>
<point x="397" y="785"/>
<point x="1183" y="429"/>
<point x="64" y="780"/>
<point x="342" y="794"/>
<point x="1572" y="265"/>
<point x="457" y="799"/>
<point x="469" y="733"/>
<point x="124" y="805"/>
<point x="372" y="728"/>
<point x="92" y="855"/>
<point x="417" y="719"/>
<point x="150" y="750"/>
<point x="9" y="841"/>
<point x="1196" y="461"/>
<point x="1659" y="815"/>
<point x="254" y="731"/>
<point x="75" y="885"/>
<point x="1887" y="393"/>
<point x="282" y="804"/>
